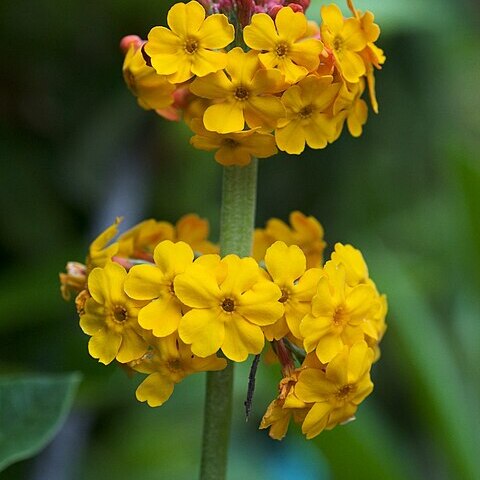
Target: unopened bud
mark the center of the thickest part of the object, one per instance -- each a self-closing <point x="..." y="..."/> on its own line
<point x="127" y="41"/>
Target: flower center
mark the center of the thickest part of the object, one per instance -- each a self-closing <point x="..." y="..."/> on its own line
<point x="281" y="49"/>
<point x="241" y="93"/>
<point x="338" y="44"/>
<point x="191" y="46"/>
<point x="284" y="296"/>
<point x="339" y="316"/>
<point x="228" y="305"/>
<point x="345" y="391"/>
<point x="230" y="143"/>
<point x="174" y="365"/>
<point x="306" y="112"/>
<point x="120" y="314"/>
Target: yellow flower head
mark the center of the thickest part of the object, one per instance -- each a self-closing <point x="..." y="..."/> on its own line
<point x="229" y="302"/>
<point x="351" y="107"/>
<point x="282" y="43"/>
<point x="306" y="232"/>
<point x="340" y="315"/>
<point x="110" y="317"/>
<point x="194" y="230"/>
<point x="168" y="361"/>
<point x="337" y="391"/>
<point x="356" y="270"/>
<point x="283" y="408"/>
<point x="287" y="268"/>
<point x="308" y="120"/>
<point x="190" y="46"/>
<point x="153" y="91"/>
<point x="155" y="283"/>
<point x="345" y="38"/>
<point x="233" y="148"/>
<point x="101" y="250"/>
<point x="242" y="93"/>
<point x="140" y="240"/>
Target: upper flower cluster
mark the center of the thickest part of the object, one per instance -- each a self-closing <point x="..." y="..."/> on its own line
<point x="160" y="300"/>
<point x="258" y="76"/>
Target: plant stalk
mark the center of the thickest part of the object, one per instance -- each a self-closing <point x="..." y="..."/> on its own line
<point x="236" y="236"/>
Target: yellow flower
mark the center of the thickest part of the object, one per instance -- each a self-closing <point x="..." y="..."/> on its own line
<point x="153" y="91"/>
<point x="351" y="107"/>
<point x="233" y="148"/>
<point x="194" y="230"/>
<point x="111" y="317"/>
<point x="230" y="301"/>
<point x="372" y="55"/>
<point x="356" y="270"/>
<point x="287" y="267"/>
<point x="345" y="39"/>
<point x="188" y="48"/>
<point x="282" y="44"/>
<point x="307" y="120"/>
<point x="242" y="93"/>
<point x="284" y="407"/>
<point x="155" y="282"/>
<point x="140" y="241"/>
<point x="101" y="251"/>
<point x="306" y="232"/>
<point x="337" y="391"/>
<point x="168" y="361"/>
<point x="340" y="315"/>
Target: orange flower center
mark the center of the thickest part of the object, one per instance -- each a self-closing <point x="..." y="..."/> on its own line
<point x="281" y="50"/>
<point x="345" y="391"/>
<point x="339" y="316"/>
<point x="306" y="112"/>
<point x="284" y="296"/>
<point x="241" y="93"/>
<point x="120" y="314"/>
<point x="338" y="44"/>
<point x="191" y="46"/>
<point x="174" y="365"/>
<point x="228" y="305"/>
<point x="230" y="143"/>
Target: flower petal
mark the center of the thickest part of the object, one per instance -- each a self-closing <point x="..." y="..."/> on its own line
<point x="104" y="345"/>
<point x="204" y="330"/>
<point x="156" y="389"/>
<point x="162" y="316"/>
<point x="241" y="339"/>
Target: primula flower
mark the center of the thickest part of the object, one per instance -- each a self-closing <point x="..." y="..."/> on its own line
<point x="242" y="93"/>
<point x="340" y="315"/>
<point x="287" y="267"/>
<point x="282" y="43"/>
<point x="306" y="232"/>
<point x="101" y="250"/>
<point x="337" y="391"/>
<point x="111" y="317"/>
<point x="372" y="55"/>
<point x="194" y="230"/>
<point x="155" y="282"/>
<point x="284" y="407"/>
<point x="345" y="39"/>
<point x="153" y="91"/>
<point x="307" y="120"/>
<point x="233" y="148"/>
<point x="168" y="361"/>
<point x="230" y="301"/>
<point x="356" y="270"/>
<point x="188" y="48"/>
<point x="349" y="106"/>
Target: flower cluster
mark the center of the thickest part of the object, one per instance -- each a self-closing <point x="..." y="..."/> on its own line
<point x="251" y="77"/>
<point x="161" y="301"/>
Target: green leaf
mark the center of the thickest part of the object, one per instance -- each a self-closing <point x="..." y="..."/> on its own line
<point x="32" y="410"/>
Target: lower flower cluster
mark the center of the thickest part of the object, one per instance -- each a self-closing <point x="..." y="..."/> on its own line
<point x="161" y="301"/>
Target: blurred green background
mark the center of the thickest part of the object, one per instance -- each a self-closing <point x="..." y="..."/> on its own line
<point x="76" y="151"/>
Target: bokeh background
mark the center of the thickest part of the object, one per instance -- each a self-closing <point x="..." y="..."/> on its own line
<point x="76" y="151"/>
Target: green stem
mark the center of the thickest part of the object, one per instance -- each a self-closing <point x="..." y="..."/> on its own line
<point x="236" y="236"/>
